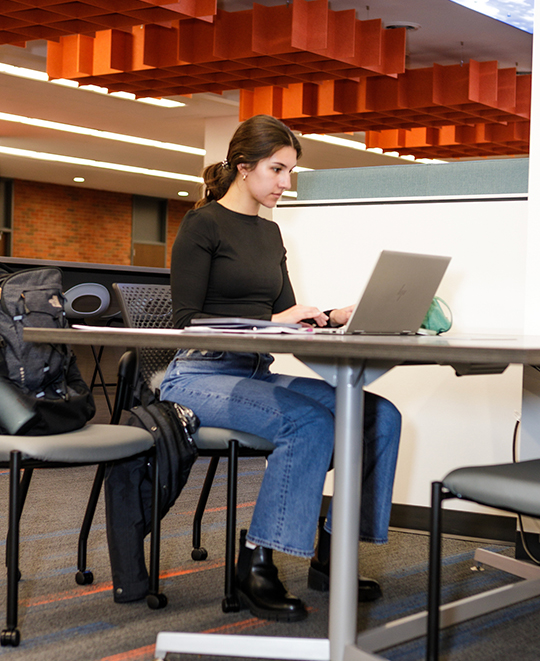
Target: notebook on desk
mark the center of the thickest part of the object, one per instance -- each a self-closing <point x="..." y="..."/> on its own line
<point x="397" y="295"/>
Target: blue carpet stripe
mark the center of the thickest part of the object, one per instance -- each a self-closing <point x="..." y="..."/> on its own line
<point x="466" y="635"/>
<point x="61" y="636"/>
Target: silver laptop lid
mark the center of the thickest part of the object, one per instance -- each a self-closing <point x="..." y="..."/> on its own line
<point x="398" y="294"/>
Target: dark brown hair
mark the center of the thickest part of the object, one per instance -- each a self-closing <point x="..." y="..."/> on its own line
<point x="259" y="137"/>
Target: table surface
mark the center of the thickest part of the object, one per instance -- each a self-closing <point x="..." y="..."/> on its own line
<point x="347" y="354"/>
<point x="447" y="349"/>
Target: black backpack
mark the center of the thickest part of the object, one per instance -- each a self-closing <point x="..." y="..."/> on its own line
<point x="128" y="488"/>
<point x="172" y="426"/>
<point x="41" y="389"/>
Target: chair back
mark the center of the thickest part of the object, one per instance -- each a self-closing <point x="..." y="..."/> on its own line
<point x="87" y="299"/>
<point x="147" y="306"/>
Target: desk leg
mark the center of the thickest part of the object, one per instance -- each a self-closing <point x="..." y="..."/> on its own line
<point x="348" y="456"/>
<point x="345" y="519"/>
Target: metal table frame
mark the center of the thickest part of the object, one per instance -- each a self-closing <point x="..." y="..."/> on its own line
<point x="349" y="363"/>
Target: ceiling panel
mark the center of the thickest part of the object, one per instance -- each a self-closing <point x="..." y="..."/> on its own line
<point x="448" y="35"/>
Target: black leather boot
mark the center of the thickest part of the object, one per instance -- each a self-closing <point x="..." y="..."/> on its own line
<point x="319" y="572"/>
<point x="260" y="589"/>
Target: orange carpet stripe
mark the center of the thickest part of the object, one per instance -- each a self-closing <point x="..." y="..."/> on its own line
<point x="233" y="627"/>
<point x="103" y="587"/>
<point x="183" y="572"/>
<point x="238" y="626"/>
<point x="132" y="654"/>
<point x="149" y="649"/>
<point x="222" y="509"/>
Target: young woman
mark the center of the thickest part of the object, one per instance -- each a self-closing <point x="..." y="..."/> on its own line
<point x="228" y="261"/>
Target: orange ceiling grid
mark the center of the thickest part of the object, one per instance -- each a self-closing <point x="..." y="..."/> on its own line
<point x="454" y="111"/>
<point x="479" y="140"/>
<point x="265" y="46"/>
<point x="22" y="20"/>
<point x="435" y="96"/>
<point x="319" y="70"/>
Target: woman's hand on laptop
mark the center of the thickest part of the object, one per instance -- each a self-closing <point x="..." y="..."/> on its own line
<point x="299" y="313"/>
<point x="341" y="316"/>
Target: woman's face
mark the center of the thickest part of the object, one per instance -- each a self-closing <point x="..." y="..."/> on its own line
<point x="270" y="177"/>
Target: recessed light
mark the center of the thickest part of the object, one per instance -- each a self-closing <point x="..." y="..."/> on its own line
<point x="408" y="25"/>
<point x="79" y="180"/>
<point x="183" y="193"/>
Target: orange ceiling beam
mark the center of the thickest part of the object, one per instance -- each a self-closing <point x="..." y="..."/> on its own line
<point x="477" y="92"/>
<point x="265" y="46"/>
<point x="25" y="20"/>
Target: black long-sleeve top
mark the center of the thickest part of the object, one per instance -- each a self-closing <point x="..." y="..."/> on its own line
<point x="227" y="264"/>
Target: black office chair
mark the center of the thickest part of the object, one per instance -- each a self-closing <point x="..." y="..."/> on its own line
<point x="90" y="445"/>
<point x="150" y="306"/>
<point x="510" y="487"/>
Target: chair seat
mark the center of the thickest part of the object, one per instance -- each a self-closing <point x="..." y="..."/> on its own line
<point x="90" y="444"/>
<point x="218" y="438"/>
<point x="514" y="487"/>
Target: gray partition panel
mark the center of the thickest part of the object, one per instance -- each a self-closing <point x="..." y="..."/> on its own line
<point x="497" y="176"/>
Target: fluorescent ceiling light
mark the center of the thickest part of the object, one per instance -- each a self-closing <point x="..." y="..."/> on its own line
<point x="354" y="144"/>
<point x="21" y="72"/>
<point x="42" y="76"/>
<point x="163" y="103"/>
<point x="118" y="167"/>
<point x="64" y="82"/>
<point x="94" y="88"/>
<point x="332" y="140"/>
<point x="95" y="133"/>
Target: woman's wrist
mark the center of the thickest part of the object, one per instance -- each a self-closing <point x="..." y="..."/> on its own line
<point x="331" y="323"/>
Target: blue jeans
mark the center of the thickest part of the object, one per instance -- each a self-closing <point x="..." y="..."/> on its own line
<point x="238" y="391"/>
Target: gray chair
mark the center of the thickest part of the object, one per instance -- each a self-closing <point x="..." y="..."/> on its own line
<point x="150" y="306"/>
<point x="91" y="300"/>
<point x="93" y="444"/>
<point x="509" y="487"/>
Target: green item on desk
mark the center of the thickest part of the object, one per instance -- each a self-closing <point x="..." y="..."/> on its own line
<point x="437" y="320"/>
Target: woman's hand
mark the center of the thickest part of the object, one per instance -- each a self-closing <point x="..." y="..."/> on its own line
<point x="341" y="317"/>
<point x="298" y="313"/>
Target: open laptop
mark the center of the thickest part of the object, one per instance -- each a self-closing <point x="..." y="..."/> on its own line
<point x="397" y="295"/>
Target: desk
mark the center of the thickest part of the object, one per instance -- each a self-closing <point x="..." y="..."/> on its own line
<point x="349" y="363"/>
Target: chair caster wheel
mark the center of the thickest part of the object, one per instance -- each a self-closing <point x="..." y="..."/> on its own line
<point x="199" y="554"/>
<point x="10" y="637"/>
<point x="156" y="601"/>
<point x="230" y="605"/>
<point x="84" y="577"/>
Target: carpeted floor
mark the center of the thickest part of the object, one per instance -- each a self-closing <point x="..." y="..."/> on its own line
<point x="61" y="620"/>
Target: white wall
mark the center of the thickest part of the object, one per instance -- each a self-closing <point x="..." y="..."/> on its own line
<point x="447" y="421"/>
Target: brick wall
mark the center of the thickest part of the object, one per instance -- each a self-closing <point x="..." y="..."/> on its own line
<point x="73" y="224"/>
